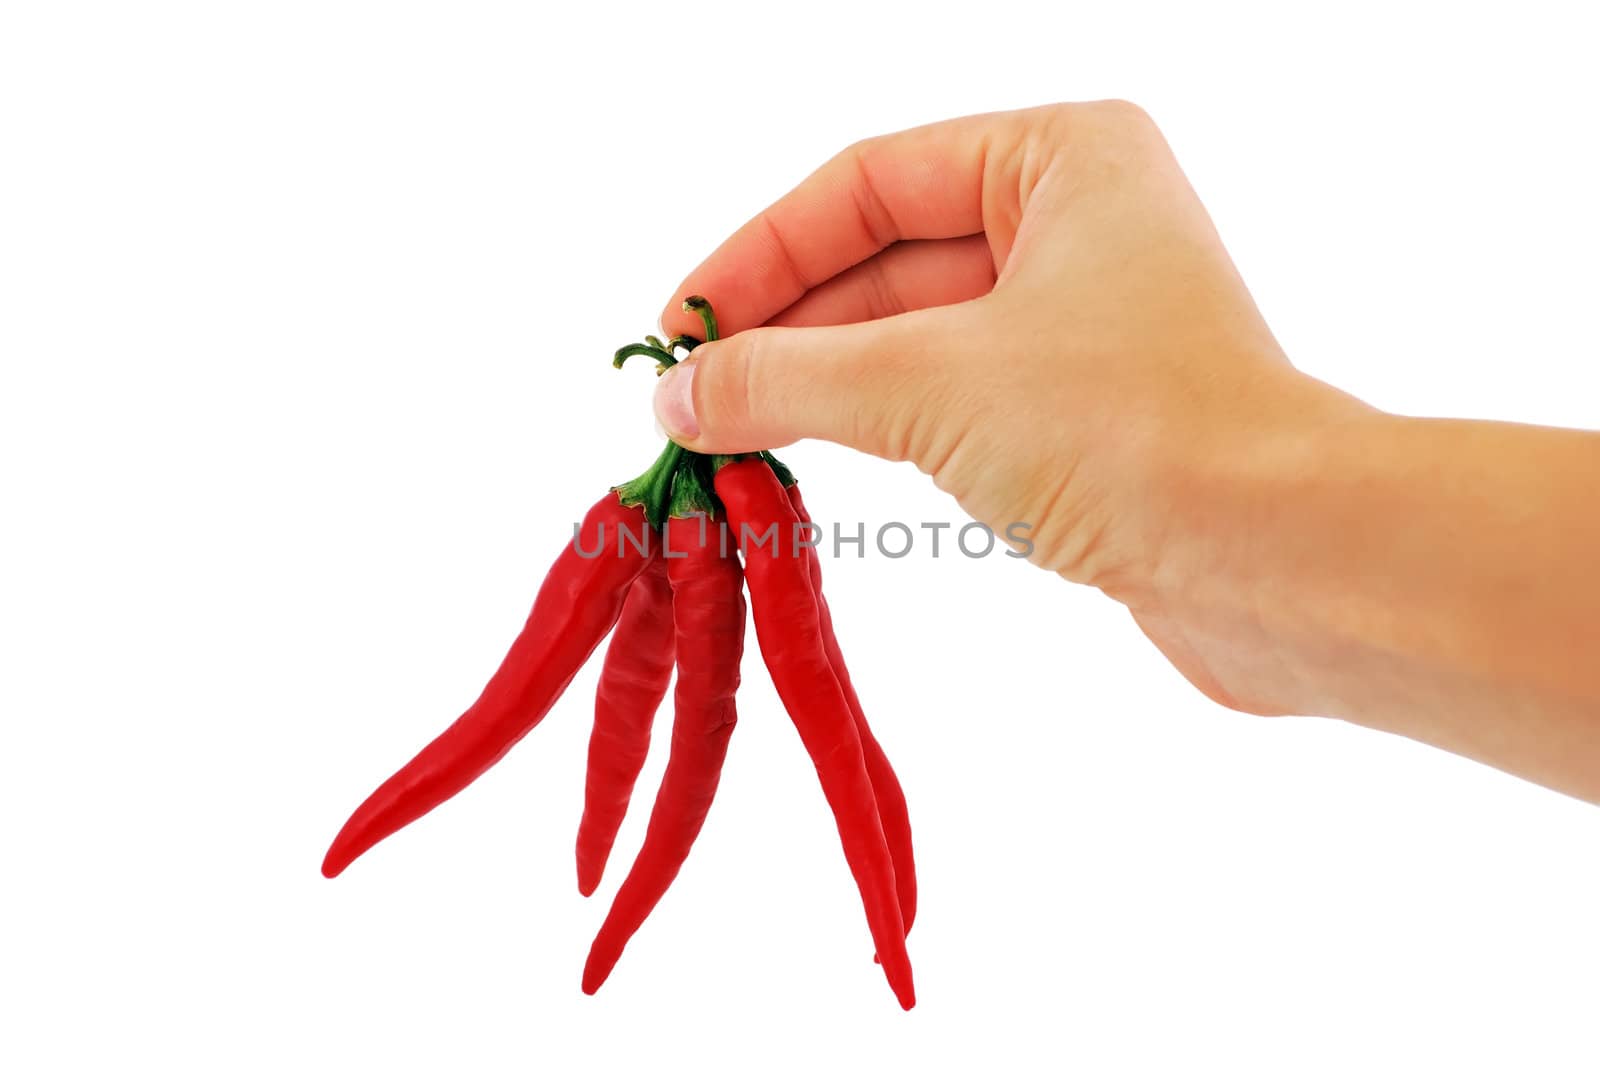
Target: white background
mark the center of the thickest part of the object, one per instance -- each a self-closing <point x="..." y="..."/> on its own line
<point x="305" y="316"/>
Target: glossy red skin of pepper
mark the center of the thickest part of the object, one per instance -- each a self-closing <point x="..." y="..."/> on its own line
<point x="578" y="603"/>
<point x="633" y="681"/>
<point x="789" y="630"/>
<point x="892" y="809"/>
<point x="708" y="618"/>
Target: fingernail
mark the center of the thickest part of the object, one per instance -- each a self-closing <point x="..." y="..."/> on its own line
<point x="674" y="402"/>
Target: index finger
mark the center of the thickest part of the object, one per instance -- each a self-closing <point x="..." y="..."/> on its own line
<point x="926" y="182"/>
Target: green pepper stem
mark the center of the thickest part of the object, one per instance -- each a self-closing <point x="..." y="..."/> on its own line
<point x="643" y="349"/>
<point x="681" y="482"/>
<point x="702" y="308"/>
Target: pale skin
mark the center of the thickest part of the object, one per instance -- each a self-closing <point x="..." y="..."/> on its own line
<point x="1034" y="308"/>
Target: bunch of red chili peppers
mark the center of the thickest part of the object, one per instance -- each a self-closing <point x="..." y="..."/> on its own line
<point x="658" y="560"/>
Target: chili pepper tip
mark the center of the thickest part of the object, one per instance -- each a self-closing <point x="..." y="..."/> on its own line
<point x="597" y="969"/>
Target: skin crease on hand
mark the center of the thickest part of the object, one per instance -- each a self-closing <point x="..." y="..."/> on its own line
<point x="1035" y="309"/>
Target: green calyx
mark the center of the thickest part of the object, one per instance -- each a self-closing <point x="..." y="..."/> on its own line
<point x="678" y="484"/>
<point x="652" y="491"/>
<point x="691" y="488"/>
<point x="681" y="483"/>
<point x="779" y="469"/>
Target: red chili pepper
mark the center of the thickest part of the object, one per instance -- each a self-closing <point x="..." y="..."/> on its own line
<point x="578" y="603"/>
<point x="885" y="785"/>
<point x="708" y="618"/>
<point x="688" y="604"/>
<point x="789" y="629"/>
<point x="633" y="680"/>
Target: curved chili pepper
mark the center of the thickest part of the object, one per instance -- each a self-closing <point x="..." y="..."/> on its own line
<point x="633" y="680"/>
<point x="708" y="617"/>
<point x="892" y="809"/>
<point x="789" y="629"/>
<point x="578" y="603"/>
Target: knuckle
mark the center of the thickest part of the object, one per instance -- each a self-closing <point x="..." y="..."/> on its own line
<point x="854" y="155"/>
<point x="1095" y="121"/>
<point x="725" y="387"/>
<point x="1110" y="142"/>
<point x="914" y="377"/>
<point x="862" y="148"/>
<point x="881" y="298"/>
<point x="1124" y="112"/>
<point x="711" y="408"/>
<point x="745" y="377"/>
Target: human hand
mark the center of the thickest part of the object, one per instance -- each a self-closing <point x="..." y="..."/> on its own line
<point x="1033" y="307"/>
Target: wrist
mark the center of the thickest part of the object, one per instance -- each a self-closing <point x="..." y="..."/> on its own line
<point x="1235" y="537"/>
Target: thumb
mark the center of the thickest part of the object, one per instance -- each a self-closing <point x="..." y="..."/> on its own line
<point x="865" y="385"/>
